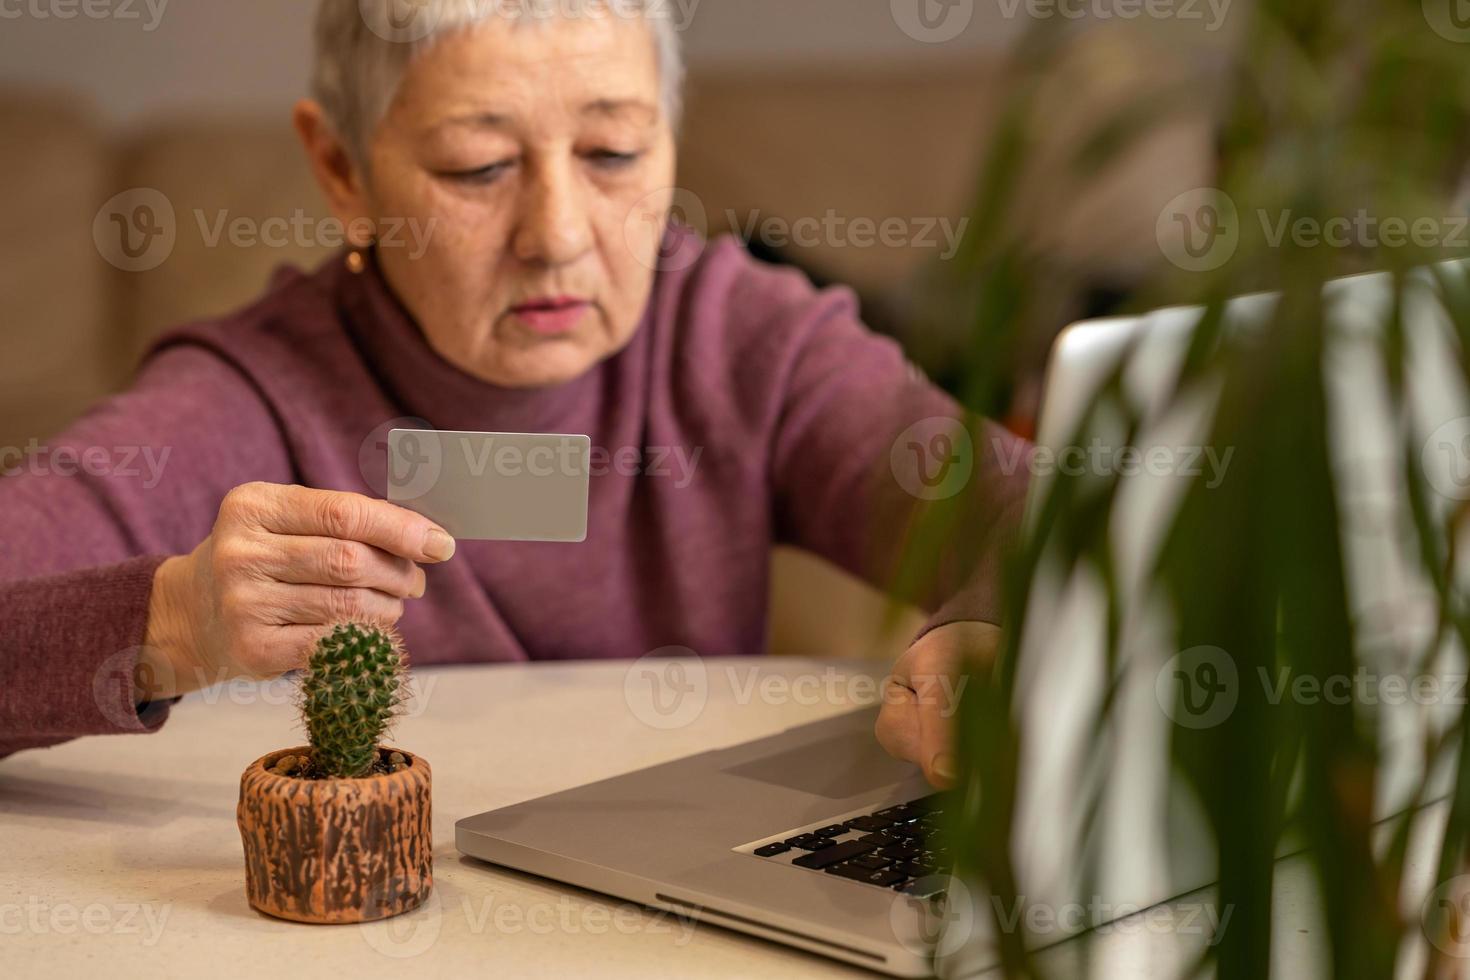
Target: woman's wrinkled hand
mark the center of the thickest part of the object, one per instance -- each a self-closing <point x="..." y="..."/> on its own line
<point x="281" y="564"/>
<point x="916" y="722"/>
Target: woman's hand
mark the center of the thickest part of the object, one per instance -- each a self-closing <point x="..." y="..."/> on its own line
<point x="916" y="722"/>
<point x="281" y="564"/>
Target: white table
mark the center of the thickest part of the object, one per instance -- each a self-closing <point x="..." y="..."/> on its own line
<point x="122" y="857"/>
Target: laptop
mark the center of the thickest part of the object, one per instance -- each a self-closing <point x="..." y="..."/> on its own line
<point x="816" y="839"/>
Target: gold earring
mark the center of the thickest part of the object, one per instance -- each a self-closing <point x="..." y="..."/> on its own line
<point x="355" y="262"/>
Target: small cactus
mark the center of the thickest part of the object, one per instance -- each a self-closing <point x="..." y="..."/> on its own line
<point x="350" y="696"/>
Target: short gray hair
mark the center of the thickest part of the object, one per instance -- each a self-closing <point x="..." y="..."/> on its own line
<point x="363" y="48"/>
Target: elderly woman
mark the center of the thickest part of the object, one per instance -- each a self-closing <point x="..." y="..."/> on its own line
<point x="553" y="295"/>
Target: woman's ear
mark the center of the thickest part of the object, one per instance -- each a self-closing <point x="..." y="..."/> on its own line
<point x="337" y="173"/>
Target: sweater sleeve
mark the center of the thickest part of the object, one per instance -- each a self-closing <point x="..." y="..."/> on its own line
<point x="87" y="518"/>
<point x="881" y="473"/>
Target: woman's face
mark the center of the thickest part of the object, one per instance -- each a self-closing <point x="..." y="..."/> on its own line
<point x="538" y="162"/>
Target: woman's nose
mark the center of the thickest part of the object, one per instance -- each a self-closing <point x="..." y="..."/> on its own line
<point x="554" y="226"/>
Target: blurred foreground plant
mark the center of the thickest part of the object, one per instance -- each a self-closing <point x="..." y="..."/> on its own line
<point x="1326" y="112"/>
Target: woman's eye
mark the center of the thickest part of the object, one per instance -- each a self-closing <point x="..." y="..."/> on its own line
<point x="481" y="175"/>
<point x="612" y="160"/>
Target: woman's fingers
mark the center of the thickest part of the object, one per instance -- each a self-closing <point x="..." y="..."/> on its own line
<point x="917" y="719"/>
<point x="305" y="512"/>
<point x="285" y="648"/>
<point x="932" y="704"/>
<point x="922" y="718"/>
<point x="346" y="564"/>
<point x="898" y="723"/>
<point x="281" y="565"/>
<point x="323" y="605"/>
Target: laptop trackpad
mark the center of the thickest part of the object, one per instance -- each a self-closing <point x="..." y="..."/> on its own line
<point x="839" y="767"/>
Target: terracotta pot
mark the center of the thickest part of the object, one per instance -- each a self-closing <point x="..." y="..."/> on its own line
<point x="336" y="850"/>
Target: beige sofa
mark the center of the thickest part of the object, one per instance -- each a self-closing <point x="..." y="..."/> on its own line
<point x="864" y="145"/>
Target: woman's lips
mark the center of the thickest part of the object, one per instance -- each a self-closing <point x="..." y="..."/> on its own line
<point x="552" y="316"/>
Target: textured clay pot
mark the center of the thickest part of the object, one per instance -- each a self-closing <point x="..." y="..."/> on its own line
<point x="336" y="850"/>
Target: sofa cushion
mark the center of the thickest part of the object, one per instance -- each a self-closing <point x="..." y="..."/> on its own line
<point x="244" y="203"/>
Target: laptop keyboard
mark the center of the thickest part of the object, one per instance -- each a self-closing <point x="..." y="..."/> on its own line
<point x="894" y="847"/>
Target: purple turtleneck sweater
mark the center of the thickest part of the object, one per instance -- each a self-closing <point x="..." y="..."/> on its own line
<point x="774" y="413"/>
